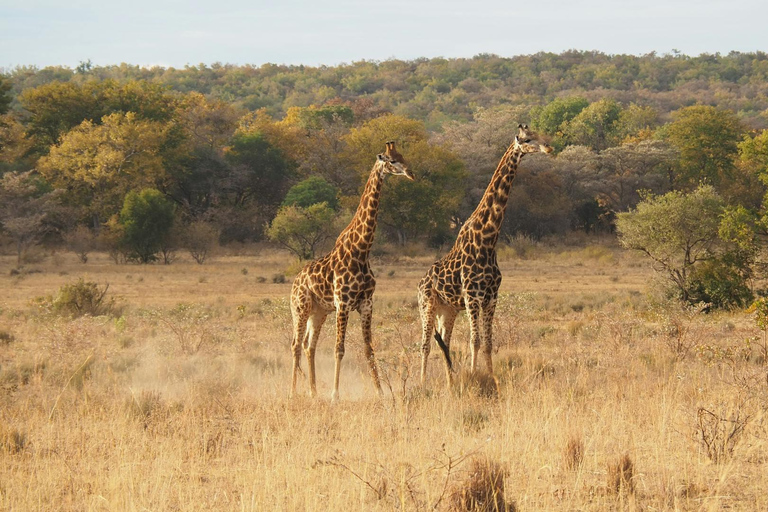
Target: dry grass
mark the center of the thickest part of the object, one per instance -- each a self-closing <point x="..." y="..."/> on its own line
<point x="181" y="402"/>
<point x="482" y="490"/>
<point x="573" y="455"/>
<point x="621" y="476"/>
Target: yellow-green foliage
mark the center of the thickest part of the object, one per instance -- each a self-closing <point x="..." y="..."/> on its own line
<point x="78" y="299"/>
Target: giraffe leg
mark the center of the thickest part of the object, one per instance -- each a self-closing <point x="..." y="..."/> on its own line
<point x="342" y="317"/>
<point x="445" y="321"/>
<point x="300" y="315"/>
<point x="488" y="312"/>
<point x="474" y="313"/>
<point x="315" y="323"/>
<point x="366" y="318"/>
<point x="427" y="311"/>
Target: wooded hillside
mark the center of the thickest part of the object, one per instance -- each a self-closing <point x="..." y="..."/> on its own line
<point x="226" y="144"/>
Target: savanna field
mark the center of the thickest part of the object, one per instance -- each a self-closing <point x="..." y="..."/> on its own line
<point x="176" y="398"/>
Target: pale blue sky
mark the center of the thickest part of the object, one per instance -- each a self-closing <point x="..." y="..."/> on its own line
<point x="176" y="33"/>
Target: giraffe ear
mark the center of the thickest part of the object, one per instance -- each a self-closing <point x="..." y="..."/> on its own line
<point x="380" y="157"/>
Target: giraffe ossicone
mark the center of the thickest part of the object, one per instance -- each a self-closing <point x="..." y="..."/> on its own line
<point x="342" y="281"/>
<point x="468" y="276"/>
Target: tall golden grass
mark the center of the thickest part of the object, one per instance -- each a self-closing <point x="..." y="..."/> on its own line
<point x="181" y="402"/>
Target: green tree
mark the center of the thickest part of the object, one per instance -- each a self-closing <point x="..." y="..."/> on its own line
<point x="724" y="280"/>
<point x="26" y="204"/>
<point x="97" y="164"/>
<point x="707" y="139"/>
<point x="480" y="144"/>
<point x="317" y="136"/>
<point x="753" y="165"/>
<point x="57" y="107"/>
<point x="258" y="171"/>
<point x="753" y="152"/>
<point x="303" y="231"/>
<point x="147" y="219"/>
<point x="311" y="191"/>
<point x="705" y="249"/>
<point x="5" y="98"/>
<point x="198" y="172"/>
<point x="537" y="205"/>
<point x="595" y="126"/>
<point x="314" y="118"/>
<point x="553" y="118"/>
<point x="636" y="123"/>
<point x="408" y="209"/>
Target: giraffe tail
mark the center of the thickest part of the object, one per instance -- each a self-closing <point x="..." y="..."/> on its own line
<point x="444" y="349"/>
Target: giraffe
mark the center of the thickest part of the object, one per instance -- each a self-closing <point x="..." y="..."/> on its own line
<point x="468" y="277"/>
<point x="342" y="281"/>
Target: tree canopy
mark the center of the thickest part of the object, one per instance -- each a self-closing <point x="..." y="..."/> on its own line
<point x="704" y="247"/>
<point x="231" y="145"/>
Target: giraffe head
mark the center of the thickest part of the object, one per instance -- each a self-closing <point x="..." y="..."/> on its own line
<point x="392" y="162"/>
<point x="531" y="142"/>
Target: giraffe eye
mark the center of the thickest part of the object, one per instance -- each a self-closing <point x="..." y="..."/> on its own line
<point x="527" y="141"/>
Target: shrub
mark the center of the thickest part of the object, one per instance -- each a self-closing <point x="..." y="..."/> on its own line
<point x="110" y="239"/>
<point x="482" y="490"/>
<point x="78" y="299"/>
<point x="200" y="238"/>
<point x="720" y="283"/>
<point x="303" y="230"/>
<point x="312" y="190"/>
<point x="478" y="383"/>
<point x="12" y="440"/>
<point x="147" y="218"/>
<point x="6" y="338"/>
<point x="621" y="476"/>
<point x="719" y="432"/>
<point x="706" y="250"/>
<point x="80" y="241"/>
<point x="574" y="453"/>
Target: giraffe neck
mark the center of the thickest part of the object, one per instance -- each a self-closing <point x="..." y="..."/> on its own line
<point x="357" y="238"/>
<point x="489" y="214"/>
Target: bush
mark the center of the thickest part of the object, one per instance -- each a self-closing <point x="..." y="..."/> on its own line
<point x="78" y="299"/>
<point x="200" y="238"/>
<point x="12" y="440"/>
<point x="147" y="218"/>
<point x="720" y="283"/>
<point x="303" y="230"/>
<point x="706" y="250"/>
<point x="80" y="241"/>
<point x="313" y="190"/>
<point x="110" y="239"/>
<point x="6" y="338"/>
<point x="621" y="479"/>
<point x="573" y="456"/>
<point x="483" y="489"/>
